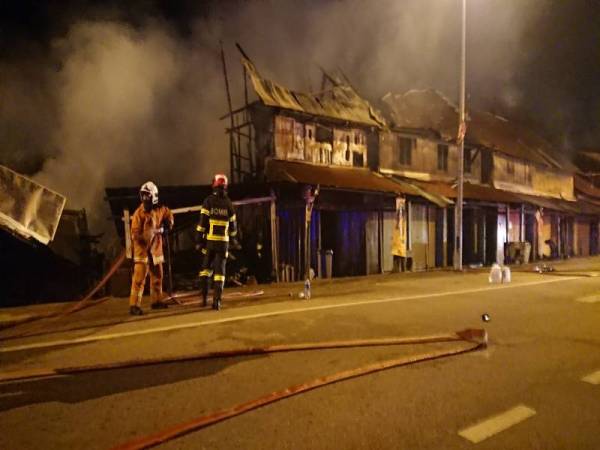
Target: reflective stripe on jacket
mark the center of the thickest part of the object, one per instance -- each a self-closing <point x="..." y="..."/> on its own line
<point x="217" y="218"/>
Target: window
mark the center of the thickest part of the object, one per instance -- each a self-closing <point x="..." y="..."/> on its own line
<point x="358" y="159"/>
<point x="348" y="155"/>
<point x="510" y="167"/>
<point x="468" y="163"/>
<point x="405" y="146"/>
<point x="442" y="162"/>
<point x="528" y="177"/>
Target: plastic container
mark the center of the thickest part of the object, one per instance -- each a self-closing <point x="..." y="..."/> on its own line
<point x="307" y="289"/>
<point x="495" y="274"/>
<point x="506" y="277"/>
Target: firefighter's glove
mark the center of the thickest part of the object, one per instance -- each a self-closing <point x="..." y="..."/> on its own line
<point x="235" y="245"/>
<point x="167" y="225"/>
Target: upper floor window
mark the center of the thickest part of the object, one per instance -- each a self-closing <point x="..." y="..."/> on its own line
<point x="510" y="167"/>
<point x="348" y="153"/>
<point x="528" y="176"/>
<point x="442" y="157"/>
<point x="405" y="146"/>
<point x="468" y="163"/>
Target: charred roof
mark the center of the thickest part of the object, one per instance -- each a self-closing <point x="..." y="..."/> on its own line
<point x="430" y="110"/>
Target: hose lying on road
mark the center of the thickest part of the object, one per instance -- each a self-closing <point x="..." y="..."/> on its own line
<point x="81" y="304"/>
<point x="475" y="337"/>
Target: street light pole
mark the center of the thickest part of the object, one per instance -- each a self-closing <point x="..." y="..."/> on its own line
<point x="458" y="209"/>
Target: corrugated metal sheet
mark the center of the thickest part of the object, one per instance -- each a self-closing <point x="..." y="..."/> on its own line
<point x="431" y="110"/>
<point x="342" y="103"/>
<point x="434" y="197"/>
<point x="28" y="208"/>
<point x="471" y="192"/>
<point x="492" y="195"/>
<point x="353" y="178"/>
<point x="586" y="187"/>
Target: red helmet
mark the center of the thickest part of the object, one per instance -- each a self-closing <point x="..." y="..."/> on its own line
<point x="220" y="180"/>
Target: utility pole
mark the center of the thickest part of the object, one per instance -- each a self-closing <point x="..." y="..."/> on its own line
<point x="458" y="208"/>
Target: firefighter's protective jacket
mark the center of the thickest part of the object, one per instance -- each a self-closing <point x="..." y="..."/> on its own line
<point x="217" y="219"/>
<point x="145" y="233"/>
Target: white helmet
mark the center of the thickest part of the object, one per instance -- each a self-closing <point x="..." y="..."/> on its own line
<point x="150" y="188"/>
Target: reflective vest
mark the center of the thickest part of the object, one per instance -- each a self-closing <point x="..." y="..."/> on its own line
<point x="217" y="219"/>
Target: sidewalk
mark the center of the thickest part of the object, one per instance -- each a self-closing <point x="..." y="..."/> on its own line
<point x="114" y="311"/>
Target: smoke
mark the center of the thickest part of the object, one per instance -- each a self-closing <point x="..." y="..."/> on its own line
<point x="120" y="96"/>
<point x="132" y="107"/>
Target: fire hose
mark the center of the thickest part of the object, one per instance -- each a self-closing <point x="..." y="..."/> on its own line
<point x="476" y="339"/>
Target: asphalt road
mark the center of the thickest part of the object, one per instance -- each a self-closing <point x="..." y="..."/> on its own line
<point x="543" y="341"/>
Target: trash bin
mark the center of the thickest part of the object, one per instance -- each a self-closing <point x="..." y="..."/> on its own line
<point x="328" y="263"/>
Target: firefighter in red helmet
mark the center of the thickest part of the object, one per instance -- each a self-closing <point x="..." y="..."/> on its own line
<point x="217" y="226"/>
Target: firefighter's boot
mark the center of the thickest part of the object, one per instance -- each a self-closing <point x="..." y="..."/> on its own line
<point x="204" y="290"/>
<point x="217" y="292"/>
<point x="135" y="310"/>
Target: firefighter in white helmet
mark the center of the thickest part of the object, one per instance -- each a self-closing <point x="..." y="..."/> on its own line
<point x="217" y="225"/>
<point x="148" y="224"/>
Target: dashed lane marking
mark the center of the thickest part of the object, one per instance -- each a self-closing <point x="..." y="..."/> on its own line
<point x="494" y="425"/>
<point x="592" y="378"/>
<point x="107" y="336"/>
<point x="589" y="299"/>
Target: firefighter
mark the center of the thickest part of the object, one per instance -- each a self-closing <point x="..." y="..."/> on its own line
<point x="148" y="224"/>
<point x="217" y="225"/>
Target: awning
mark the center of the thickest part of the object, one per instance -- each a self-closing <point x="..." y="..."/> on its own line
<point x="351" y="178"/>
<point x="489" y="194"/>
<point x="470" y="192"/>
<point x="424" y="191"/>
<point x="27" y="208"/>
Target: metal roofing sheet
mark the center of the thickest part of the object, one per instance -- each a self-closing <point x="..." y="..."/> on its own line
<point x="28" y="208"/>
<point x="586" y="187"/>
<point x="353" y="178"/>
<point x="343" y="102"/>
<point x="490" y="194"/>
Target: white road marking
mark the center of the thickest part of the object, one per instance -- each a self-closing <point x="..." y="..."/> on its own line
<point x="104" y="337"/>
<point x="11" y="394"/>
<point x="494" y="425"/>
<point x="592" y="378"/>
<point x="590" y="299"/>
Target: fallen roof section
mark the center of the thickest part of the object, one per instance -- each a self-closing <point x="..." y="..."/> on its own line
<point x="342" y="101"/>
<point x="28" y="209"/>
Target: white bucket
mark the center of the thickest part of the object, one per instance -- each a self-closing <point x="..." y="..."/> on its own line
<point x="495" y="274"/>
<point x="506" y="274"/>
